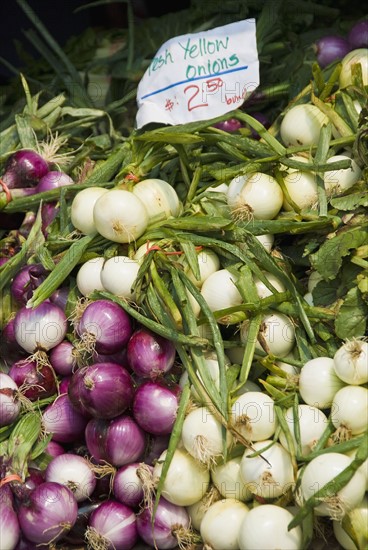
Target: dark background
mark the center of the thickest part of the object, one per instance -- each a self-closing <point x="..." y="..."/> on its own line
<point x="62" y="21"/>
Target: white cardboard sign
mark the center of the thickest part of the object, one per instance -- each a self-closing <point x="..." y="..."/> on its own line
<point x="200" y="76"/>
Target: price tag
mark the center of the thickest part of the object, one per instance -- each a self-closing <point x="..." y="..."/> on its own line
<point x="200" y="76"/>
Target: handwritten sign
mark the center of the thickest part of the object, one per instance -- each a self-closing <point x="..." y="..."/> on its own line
<point x="200" y="76"/>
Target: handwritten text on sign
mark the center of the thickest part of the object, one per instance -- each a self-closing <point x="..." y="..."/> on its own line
<point x="200" y="76"/>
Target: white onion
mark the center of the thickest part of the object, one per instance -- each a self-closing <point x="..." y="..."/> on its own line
<point x="256" y="195"/>
<point x="202" y="436"/>
<point x="219" y="290"/>
<point x="277" y="333"/>
<point x="270" y="475"/>
<point x="313" y="280"/>
<point x="302" y="189"/>
<point x="263" y="291"/>
<point x="74" y="472"/>
<point x="359" y="55"/>
<point x="358" y="520"/>
<point x="81" y="213"/>
<point x="221" y="524"/>
<point x="253" y="415"/>
<point x="227" y="479"/>
<point x="351" y="362"/>
<point x="338" y="181"/>
<point x="267" y="240"/>
<point x="349" y="410"/>
<point x="312" y="424"/>
<point x="88" y="276"/>
<point x="118" y="276"/>
<point x="187" y="480"/>
<point x="318" y="382"/>
<point x="265" y="527"/>
<point x="208" y="263"/>
<point x="302" y="125"/>
<point x="197" y="510"/>
<point x="120" y="216"/>
<point x="159" y="198"/>
<point x="321" y="470"/>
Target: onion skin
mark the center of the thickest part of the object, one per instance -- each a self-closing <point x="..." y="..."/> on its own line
<point x="116" y="523"/>
<point x="104" y="389"/>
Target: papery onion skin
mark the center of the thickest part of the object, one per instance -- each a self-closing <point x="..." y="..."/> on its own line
<point x="161" y="533"/>
<point x="118" y="441"/>
<point x="155" y="406"/>
<point x="108" y="325"/>
<point x="150" y="355"/>
<point x="63" y="421"/>
<point x="49" y="513"/>
<point x="104" y="389"/>
<point x="116" y="522"/>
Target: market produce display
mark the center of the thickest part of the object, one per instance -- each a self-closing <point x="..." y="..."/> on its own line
<point x="183" y="347"/>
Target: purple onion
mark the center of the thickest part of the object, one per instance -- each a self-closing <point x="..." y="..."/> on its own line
<point x="3" y="260"/>
<point x="77" y="533"/>
<point x="48" y="514"/>
<point x="74" y="472"/>
<point x="53" y="180"/>
<point x="34" y="478"/>
<point x="24" y="168"/>
<point x="120" y="357"/>
<point x="105" y="326"/>
<point x="156" y="445"/>
<point x="263" y="119"/>
<point x="150" y="355"/>
<point x="155" y="406"/>
<point x="54" y="449"/>
<point x="9" y="528"/>
<point x="63" y="421"/>
<point x="230" y="125"/>
<point x="62" y="358"/>
<point x="169" y="519"/>
<point x="331" y="48"/>
<point x="6" y="496"/>
<point x="10" y="350"/>
<point x="358" y="35"/>
<point x="9" y="402"/>
<point x="112" y="526"/>
<point x="26" y="281"/>
<point x="40" y="328"/>
<point x="105" y="390"/>
<point x="49" y="211"/>
<point x="38" y="381"/>
<point x="128" y="484"/>
<point x="60" y="297"/>
<point x="118" y="441"/>
<point x="63" y="387"/>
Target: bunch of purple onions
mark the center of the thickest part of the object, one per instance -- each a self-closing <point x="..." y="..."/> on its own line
<point x="113" y="404"/>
